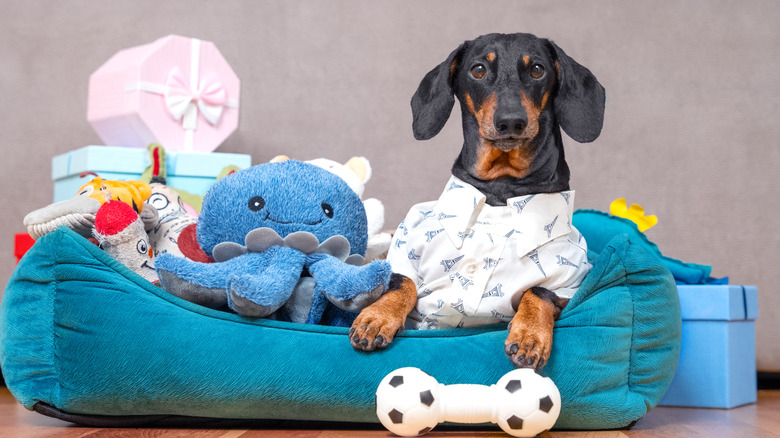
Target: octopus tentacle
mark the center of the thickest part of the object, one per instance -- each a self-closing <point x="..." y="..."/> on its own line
<point x="256" y="295"/>
<point x="348" y="287"/>
<point x="264" y="275"/>
<point x="203" y="283"/>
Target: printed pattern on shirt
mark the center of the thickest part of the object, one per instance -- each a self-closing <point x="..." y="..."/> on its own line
<point x="469" y="259"/>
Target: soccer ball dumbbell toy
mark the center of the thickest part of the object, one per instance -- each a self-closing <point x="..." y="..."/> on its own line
<point x="410" y="402"/>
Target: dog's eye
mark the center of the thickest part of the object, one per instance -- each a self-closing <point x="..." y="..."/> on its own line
<point x="478" y="71"/>
<point x="256" y="203"/>
<point x="537" y="71"/>
<point x="327" y="209"/>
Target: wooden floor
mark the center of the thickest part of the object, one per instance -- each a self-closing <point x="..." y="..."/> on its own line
<point x="757" y="420"/>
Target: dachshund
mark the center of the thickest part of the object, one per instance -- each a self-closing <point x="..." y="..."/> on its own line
<point x="516" y="93"/>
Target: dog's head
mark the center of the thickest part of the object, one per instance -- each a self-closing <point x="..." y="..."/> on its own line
<point x="514" y="91"/>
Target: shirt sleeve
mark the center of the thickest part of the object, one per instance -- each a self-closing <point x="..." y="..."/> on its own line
<point x="398" y="254"/>
<point x="409" y="241"/>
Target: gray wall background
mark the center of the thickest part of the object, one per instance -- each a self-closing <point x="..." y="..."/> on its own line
<point x="691" y="128"/>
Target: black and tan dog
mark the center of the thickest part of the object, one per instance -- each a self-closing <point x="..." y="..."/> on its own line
<point x="516" y="92"/>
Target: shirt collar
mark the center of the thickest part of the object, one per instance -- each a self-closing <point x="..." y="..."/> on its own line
<point x="458" y="208"/>
<point x="539" y="217"/>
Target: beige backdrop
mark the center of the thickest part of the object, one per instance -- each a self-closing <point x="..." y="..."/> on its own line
<point x="691" y="128"/>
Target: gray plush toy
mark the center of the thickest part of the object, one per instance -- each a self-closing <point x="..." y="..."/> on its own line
<point x="120" y="232"/>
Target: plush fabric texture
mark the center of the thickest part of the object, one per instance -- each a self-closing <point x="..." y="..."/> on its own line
<point x="120" y="232"/>
<point x="356" y="172"/>
<point x="113" y="217"/>
<point x="289" y="196"/>
<point x="189" y="246"/>
<point x="600" y="227"/>
<point x="83" y="334"/>
<point x="172" y="218"/>
<point x="78" y="213"/>
<point x="269" y="226"/>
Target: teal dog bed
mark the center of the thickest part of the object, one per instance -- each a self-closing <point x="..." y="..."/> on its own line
<point x="85" y="339"/>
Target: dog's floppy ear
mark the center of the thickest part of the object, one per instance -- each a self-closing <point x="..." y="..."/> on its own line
<point x="432" y="102"/>
<point x="579" y="103"/>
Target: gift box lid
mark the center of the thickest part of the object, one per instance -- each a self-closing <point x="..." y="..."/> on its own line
<point x="176" y="91"/>
<point x="718" y="302"/>
<point x="134" y="161"/>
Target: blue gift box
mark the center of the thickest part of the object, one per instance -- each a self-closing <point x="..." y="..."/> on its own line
<point x="193" y="172"/>
<point x="717" y="367"/>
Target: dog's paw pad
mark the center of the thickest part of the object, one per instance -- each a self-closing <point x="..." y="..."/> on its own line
<point x="371" y="333"/>
<point x="527" y="349"/>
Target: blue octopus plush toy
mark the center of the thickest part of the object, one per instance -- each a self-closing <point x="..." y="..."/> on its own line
<point x="288" y="240"/>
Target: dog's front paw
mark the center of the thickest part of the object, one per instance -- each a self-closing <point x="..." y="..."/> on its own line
<point x="379" y="323"/>
<point x="528" y="346"/>
<point x="531" y="330"/>
<point x="372" y="330"/>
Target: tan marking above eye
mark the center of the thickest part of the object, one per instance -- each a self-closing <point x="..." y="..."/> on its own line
<point x="526" y="60"/>
<point x="491" y="57"/>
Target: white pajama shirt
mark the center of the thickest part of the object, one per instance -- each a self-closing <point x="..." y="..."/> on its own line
<point x="469" y="259"/>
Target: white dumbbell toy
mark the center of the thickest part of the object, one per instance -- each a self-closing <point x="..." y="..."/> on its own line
<point x="410" y="402"/>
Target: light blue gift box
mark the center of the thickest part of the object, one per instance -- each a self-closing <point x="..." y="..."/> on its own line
<point x="193" y="172"/>
<point x="717" y="367"/>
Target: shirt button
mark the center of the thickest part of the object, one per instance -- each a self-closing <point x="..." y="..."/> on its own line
<point x="472" y="269"/>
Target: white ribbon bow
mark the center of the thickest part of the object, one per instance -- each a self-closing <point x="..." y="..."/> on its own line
<point x="184" y="102"/>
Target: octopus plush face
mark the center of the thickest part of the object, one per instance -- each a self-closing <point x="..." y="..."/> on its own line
<point x="287" y="197"/>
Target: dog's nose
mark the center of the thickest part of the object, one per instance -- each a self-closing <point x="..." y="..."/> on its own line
<point x="511" y="124"/>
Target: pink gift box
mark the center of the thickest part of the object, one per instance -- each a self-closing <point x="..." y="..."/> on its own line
<point x="179" y="92"/>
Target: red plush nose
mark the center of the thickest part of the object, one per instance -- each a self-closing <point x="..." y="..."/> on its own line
<point x="113" y="217"/>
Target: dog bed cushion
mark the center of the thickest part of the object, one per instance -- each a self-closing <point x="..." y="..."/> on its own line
<point x="600" y="227"/>
<point x="85" y="339"/>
